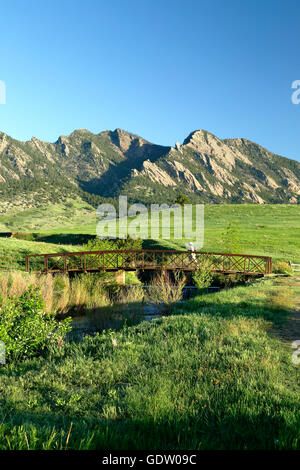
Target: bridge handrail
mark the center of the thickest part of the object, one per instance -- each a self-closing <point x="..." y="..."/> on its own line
<point x="67" y="253"/>
<point x="258" y="269"/>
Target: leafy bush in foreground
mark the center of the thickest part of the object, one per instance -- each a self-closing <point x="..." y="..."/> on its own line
<point x="26" y="329"/>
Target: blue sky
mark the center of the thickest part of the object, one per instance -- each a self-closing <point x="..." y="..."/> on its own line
<point x="160" y="69"/>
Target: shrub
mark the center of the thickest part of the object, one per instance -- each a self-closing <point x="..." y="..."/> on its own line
<point x="25" y="327"/>
<point x="99" y="244"/>
<point x="281" y="267"/>
<point x="231" y="280"/>
<point x="202" y="277"/>
<point x="231" y="238"/>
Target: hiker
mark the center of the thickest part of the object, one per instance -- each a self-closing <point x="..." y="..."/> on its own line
<point x="193" y="254"/>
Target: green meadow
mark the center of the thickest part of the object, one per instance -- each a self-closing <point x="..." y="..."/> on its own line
<point x="271" y="230"/>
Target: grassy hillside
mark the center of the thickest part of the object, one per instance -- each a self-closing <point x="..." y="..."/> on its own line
<point x="272" y="230"/>
<point x="13" y="251"/>
<point x="71" y="216"/>
<point x="211" y="376"/>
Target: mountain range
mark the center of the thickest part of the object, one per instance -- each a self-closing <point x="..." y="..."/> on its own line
<point x="102" y="166"/>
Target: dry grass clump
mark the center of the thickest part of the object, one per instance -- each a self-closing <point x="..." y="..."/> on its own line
<point x="281" y="267"/>
<point x="18" y="283"/>
<point x="132" y="295"/>
<point x="163" y="290"/>
<point x="86" y="292"/>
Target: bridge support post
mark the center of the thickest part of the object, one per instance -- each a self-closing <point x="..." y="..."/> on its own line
<point x="120" y="278"/>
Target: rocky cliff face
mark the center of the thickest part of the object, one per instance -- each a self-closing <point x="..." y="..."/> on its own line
<point x="204" y="167"/>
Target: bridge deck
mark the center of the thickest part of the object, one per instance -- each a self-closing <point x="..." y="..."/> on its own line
<point x="131" y="260"/>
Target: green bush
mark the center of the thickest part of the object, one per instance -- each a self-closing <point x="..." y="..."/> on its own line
<point x="26" y="329"/>
<point x="231" y="280"/>
<point x="231" y="238"/>
<point x="182" y="199"/>
<point x="202" y="277"/>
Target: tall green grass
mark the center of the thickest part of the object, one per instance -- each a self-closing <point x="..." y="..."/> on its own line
<point x="13" y="251"/>
<point x="209" y="377"/>
<point x="189" y="382"/>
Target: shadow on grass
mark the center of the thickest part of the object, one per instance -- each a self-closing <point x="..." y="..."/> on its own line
<point x="210" y="429"/>
<point x="150" y="244"/>
<point x="65" y="238"/>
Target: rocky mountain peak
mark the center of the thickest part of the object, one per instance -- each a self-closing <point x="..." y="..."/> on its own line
<point x="197" y="137"/>
<point x="204" y="167"/>
<point x="81" y="133"/>
<point x="3" y="141"/>
<point x="124" y="139"/>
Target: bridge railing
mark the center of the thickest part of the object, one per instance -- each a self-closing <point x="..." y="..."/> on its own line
<point x="113" y="260"/>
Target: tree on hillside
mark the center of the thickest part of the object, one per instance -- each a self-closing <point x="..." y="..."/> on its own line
<point x="231" y="238"/>
<point x="99" y="244"/>
<point x="182" y="199"/>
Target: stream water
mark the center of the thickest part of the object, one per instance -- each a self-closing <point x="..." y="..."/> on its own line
<point x="113" y="317"/>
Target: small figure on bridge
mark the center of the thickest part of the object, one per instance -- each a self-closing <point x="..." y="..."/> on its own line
<point x="193" y="254"/>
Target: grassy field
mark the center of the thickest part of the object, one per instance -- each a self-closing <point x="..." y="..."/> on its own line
<point x="13" y="251"/>
<point x="271" y="230"/>
<point x="210" y="376"/>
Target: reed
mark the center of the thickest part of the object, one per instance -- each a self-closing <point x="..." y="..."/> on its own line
<point x="62" y="295"/>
